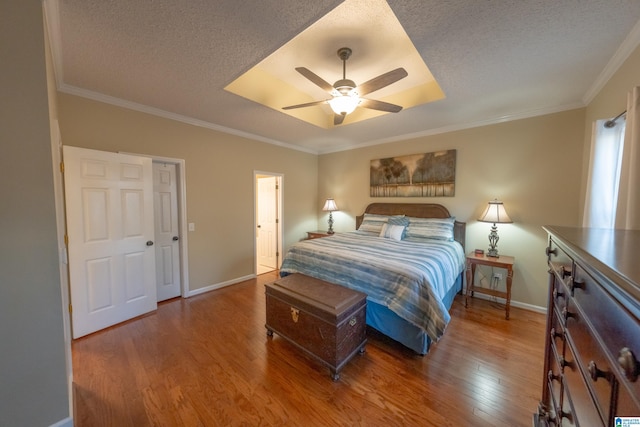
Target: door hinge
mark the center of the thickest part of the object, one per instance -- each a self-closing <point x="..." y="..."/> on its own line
<point x="277" y="254"/>
<point x="70" y="308"/>
<point x="277" y="187"/>
<point x="277" y="221"/>
<point x="61" y="167"/>
<point x="66" y="240"/>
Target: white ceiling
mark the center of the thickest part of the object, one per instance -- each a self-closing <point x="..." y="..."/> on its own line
<point x="495" y="60"/>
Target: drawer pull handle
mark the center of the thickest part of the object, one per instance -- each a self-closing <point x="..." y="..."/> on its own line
<point x="596" y="373"/>
<point x="577" y="283"/>
<point x="353" y="321"/>
<point x="552" y="377"/>
<point x="629" y="364"/>
<point x="544" y="413"/>
<point x="562" y="414"/>
<point x="557" y="294"/>
<point x="564" y="362"/>
<point x="564" y="273"/>
<point x="550" y="251"/>
<point x="567" y="314"/>
<point x="295" y="314"/>
<point x="555" y="334"/>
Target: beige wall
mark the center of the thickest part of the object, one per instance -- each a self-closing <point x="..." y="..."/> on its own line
<point x="33" y="382"/>
<point x="608" y="103"/>
<point x="537" y="166"/>
<point x="533" y="165"/>
<point x="219" y="176"/>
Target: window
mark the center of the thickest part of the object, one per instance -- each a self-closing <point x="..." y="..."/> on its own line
<point x="604" y="174"/>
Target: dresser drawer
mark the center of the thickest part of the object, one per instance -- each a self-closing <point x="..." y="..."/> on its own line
<point x="592" y="360"/>
<point x="565" y="415"/>
<point x="554" y="381"/>
<point x="559" y="261"/>
<point x="560" y="296"/>
<point x="618" y="329"/>
<point x="583" y="409"/>
<point x="556" y="334"/>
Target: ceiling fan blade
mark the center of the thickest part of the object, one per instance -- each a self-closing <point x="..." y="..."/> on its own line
<point x="313" y="77"/>
<point x="380" y="105"/>
<point x="381" y="81"/>
<point x="308" y="104"/>
<point x="338" y="119"/>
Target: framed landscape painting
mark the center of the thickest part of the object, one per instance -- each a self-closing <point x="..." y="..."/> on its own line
<point x="416" y="175"/>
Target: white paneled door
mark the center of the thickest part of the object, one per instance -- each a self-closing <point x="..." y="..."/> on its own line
<point x="165" y="198"/>
<point x="110" y="227"/>
<point x="267" y="230"/>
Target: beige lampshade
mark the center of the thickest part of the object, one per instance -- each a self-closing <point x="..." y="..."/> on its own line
<point x="330" y="205"/>
<point x="495" y="213"/>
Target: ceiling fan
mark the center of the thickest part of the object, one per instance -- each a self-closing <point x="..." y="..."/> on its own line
<point x="346" y="95"/>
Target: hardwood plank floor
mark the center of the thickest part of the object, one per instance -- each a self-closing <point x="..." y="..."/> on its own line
<point x="207" y="361"/>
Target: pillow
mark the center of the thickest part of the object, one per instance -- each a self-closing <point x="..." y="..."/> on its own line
<point x="373" y="223"/>
<point x="431" y="228"/>
<point x="392" y="231"/>
<point x="398" y="220"/>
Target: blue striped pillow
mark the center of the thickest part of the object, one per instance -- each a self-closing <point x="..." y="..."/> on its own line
<point x="431" y="228"/>
<point x="402" y="221"/>
<point x="372" y="223"/>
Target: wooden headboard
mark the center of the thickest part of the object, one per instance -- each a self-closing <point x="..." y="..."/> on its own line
<point x="418" y="210"/>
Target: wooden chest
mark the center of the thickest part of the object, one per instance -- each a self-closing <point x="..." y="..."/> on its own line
<point x="326" y="321"/>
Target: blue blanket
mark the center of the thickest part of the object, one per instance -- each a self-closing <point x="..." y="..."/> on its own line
<point x="408" y="277"/>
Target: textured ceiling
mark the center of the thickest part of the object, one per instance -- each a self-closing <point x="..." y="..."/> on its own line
<point x="494" y="60"/>
<point x="275" y="82"/>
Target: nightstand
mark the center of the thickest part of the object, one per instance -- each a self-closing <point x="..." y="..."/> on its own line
<point x="317" y="234"/>
<point x="504" y="261"/>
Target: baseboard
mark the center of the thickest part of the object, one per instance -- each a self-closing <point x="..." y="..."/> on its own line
<point x="219" y="285"/>
<point x="67" y="422"/>
<point x="518" y="304"/>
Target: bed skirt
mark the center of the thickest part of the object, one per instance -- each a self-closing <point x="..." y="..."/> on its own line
<point x="390" y="324"/>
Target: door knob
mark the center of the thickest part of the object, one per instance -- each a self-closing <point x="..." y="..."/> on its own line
<point x="149" y="243"/>
<point x="259" y="226"/>
<point x="175" y="238"/>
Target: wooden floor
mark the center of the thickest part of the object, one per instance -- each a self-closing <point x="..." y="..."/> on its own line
<point x="207" y="361"/>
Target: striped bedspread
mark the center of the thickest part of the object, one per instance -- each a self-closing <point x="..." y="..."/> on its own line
<point x="410" y="278"/>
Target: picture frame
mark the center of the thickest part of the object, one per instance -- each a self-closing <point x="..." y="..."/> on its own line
<point x="417" y="175"/>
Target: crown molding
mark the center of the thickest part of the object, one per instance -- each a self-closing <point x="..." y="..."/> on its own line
<point x="627" y="47"/>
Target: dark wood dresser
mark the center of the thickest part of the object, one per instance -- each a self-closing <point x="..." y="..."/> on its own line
<point x="591" y="366"/>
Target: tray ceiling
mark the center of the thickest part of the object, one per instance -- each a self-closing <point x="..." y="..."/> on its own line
<point x="494" y="61"/>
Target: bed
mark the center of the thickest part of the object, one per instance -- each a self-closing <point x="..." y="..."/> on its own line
<point x="407" y="257"/>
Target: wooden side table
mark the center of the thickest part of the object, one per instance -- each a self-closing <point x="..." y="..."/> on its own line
<point x="504" y="261"/>
<point x="317" y="234"/>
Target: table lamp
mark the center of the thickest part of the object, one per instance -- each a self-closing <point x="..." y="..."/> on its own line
<point x="496" y="214"/>
<point x="330" y="206"/>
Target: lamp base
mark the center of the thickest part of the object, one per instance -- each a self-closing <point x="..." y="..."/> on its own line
<point x="330" y="222"/>
<point x="492" y="252"/>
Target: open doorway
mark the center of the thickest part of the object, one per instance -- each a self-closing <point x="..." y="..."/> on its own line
<point x="268" y="223"/>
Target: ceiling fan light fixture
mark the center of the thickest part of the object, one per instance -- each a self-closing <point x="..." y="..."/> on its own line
<point x="345" y="93"/>
<point x="344" y="104"/>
